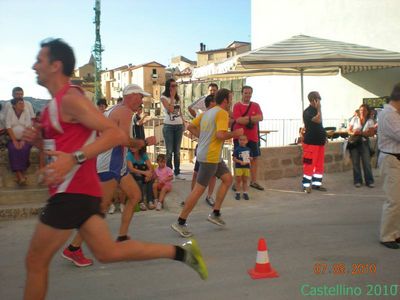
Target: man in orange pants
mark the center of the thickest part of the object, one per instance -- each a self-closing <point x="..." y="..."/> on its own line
<point x="313" y="145"/>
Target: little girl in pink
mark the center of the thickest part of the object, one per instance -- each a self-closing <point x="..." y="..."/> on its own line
<point x="162" y="184"/>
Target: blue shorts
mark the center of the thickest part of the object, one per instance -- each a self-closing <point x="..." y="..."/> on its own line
<point x="254" y="147"/>
<point x="109" y="175"/>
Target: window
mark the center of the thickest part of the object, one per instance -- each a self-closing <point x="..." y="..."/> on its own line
<point x="211" y="56"/>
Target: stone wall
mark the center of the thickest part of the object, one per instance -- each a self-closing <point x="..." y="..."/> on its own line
<point x="274" y="163"/>
<point x="278" y="162"/>
<point x="7" y="177"/>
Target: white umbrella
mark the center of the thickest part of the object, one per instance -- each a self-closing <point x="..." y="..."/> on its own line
<point x="306" y="55"/>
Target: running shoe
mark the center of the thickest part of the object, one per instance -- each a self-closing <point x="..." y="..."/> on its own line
<point x="142" y="206"/>
<point x="151" y="205"/>
<point x="217" y="220"/>
<point x="237" y="196"/>
<point x="182" y="230"/>
<point x="194" y="259"/>
<point x="246" y="196"/>
<point x="77" y="257"/>
<point x="210" y="201"/>
<point x="180" y="177"/>
<point x="158" y="206"/>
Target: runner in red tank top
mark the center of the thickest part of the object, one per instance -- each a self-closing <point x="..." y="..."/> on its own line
<point x="73" y="204"/>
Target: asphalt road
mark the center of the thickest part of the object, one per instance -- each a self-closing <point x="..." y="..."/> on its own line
<point x="322" y="243"/>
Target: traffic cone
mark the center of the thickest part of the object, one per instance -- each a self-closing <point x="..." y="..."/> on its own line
<point x="263" y="267"/>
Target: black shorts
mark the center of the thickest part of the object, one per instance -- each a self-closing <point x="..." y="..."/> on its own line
<point x="69" y="211"/>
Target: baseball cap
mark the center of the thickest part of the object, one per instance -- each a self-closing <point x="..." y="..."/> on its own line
<point x="134" y="89"/>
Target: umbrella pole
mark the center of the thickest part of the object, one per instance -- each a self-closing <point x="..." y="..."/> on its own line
<point x="302" y="90"/>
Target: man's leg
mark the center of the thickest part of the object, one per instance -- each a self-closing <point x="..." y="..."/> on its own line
<point x="132" y="190"/>
<point x="226" y="182"/>
<point x="255" y="153"/>
<point x="191" y="200"/>
<point x="98" y="237"/>
<point x="108" y="188"/>
<point x="253" y="169"/>
<point x="319" y="157"/>
<point x="390" y="222"/>
<point x="46" y="241"/>
<point x="194" y="178"/>
<point x="308" y="166"/>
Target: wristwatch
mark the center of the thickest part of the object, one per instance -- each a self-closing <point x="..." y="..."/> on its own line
<point x="79" y="157"/>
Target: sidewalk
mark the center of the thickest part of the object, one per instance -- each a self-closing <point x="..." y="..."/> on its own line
<point x="304" y="232"/>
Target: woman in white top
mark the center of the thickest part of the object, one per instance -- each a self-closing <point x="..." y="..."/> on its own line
<point x="173" y="125"/>
<point x="17" y="119"/>
<point x="363" y="127"/>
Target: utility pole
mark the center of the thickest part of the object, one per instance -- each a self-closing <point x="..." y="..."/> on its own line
<point x="97" y="49"/>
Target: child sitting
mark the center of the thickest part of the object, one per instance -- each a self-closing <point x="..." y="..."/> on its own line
<point x="162" y="184"/>
<point x="241" y="157"/>
<point x="142" y="171"/>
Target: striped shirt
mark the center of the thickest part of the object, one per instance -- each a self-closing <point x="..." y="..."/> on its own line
<point x="209" y="147"/>
<point x="389" y="130"/>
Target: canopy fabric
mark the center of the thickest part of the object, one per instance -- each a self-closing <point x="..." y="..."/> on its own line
<point x="307" y="54"/>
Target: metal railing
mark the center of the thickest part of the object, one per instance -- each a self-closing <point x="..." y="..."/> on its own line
<point x="285" y="131"/>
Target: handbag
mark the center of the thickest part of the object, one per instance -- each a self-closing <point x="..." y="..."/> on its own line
<point x="355" y="140"/>
<point x="249" y="125"/>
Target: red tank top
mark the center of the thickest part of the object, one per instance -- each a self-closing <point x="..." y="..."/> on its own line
<point x="70" y="137"/>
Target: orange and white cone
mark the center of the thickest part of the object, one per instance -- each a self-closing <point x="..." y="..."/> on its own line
<point x="263" y="267"/>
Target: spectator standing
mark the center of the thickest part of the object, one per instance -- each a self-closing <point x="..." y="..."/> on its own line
<point x="162" y="184"/>
<point x="139" y="118"/>
<point x="242" y="158"/>
<point x="199" y="105"/>
<point x="247" y="114"/>
<point x="313" y="145"/>
<point x="17" y="119"/>
<point x="361" y="128"/>
<point x="141" y="169"/>
<point x="174" y="125"/>
<point x="389" y="161"/>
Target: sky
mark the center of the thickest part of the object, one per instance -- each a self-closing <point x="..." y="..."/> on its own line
<point x="132" y="31"/>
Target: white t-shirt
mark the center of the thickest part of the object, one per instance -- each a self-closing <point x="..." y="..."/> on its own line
<point x="173" y="118"/>
<point x="18" y="124"/>
<point x="356" y="123"/>
<point x="27" y="106"/>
